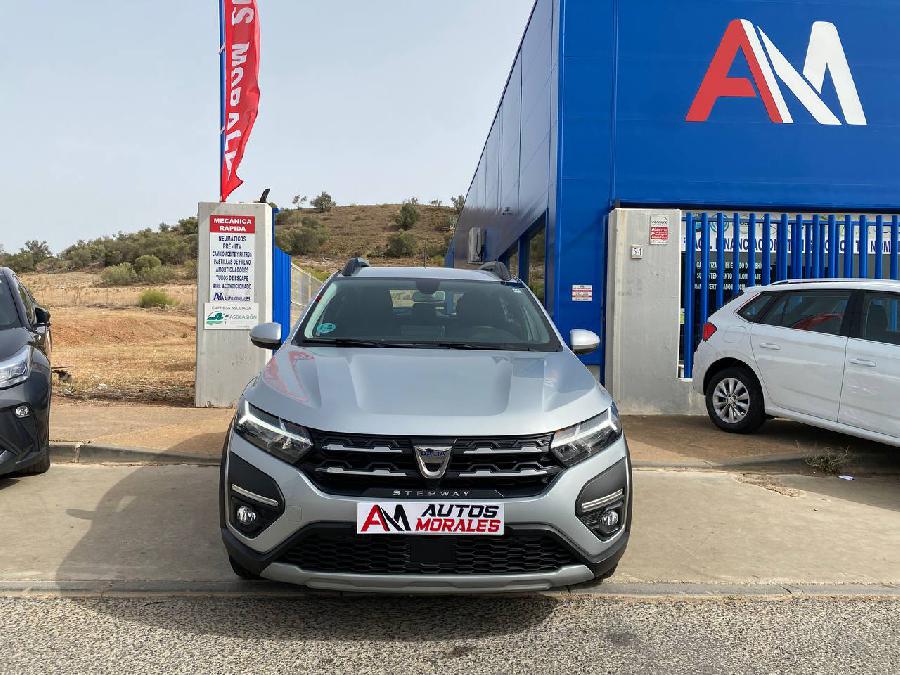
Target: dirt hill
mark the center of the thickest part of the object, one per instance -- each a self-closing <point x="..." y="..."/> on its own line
<point x="365" y="230"/>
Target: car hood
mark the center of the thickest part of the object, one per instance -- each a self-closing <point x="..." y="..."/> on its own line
<point x="426" y="392"/>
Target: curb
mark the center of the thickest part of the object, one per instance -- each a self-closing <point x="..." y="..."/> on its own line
<point x="88" y="453"/>
<point x="608" y="590"/>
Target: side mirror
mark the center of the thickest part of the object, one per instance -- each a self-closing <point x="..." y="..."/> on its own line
<point x="583" y="341"/>
<point x="266" y="336"/>
<point x="41" y="316"/>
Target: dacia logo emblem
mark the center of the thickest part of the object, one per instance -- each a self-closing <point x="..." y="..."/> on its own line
<point x="433" y="460"/>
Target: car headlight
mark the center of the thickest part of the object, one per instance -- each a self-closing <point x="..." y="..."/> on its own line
<point x="575" y="444"/>
<point x="16" y="368"/>
<point x="284" y="440"/>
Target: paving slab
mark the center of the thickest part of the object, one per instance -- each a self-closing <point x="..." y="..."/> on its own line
<point x="102" y="524"/>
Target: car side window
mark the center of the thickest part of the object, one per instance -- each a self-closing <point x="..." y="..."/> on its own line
<point x="754" y="310"/>
<point x="881" y="318"/>
<point x="28" y="303"/>
<point x="813" y="311"/>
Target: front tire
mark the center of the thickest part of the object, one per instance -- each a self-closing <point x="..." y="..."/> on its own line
<point x="40" y="466"/>
<point x="734" y="401"/>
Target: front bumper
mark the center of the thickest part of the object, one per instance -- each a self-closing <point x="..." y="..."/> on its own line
<point x="304" y="505"/>
<point x="23" y="441"/>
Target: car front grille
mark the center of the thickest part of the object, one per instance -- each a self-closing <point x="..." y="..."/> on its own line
<point x="359" y="465"/>
<point x="338" y="550"/>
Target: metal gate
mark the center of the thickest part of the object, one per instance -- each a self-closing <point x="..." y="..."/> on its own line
<point x="725" y="253"/>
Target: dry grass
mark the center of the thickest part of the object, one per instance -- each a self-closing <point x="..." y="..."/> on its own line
<point x="83" y="289"/>
<point x="124" y="354"/>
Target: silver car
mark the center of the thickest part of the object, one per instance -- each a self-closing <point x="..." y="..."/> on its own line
<point x="425" y="430"/>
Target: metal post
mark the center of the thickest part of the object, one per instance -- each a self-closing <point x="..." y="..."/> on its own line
<point x="895" y="253"/>
<point x="751" y="251"/>
<point x="222" y="84"/>
<point x="834" y="247"/>
<point x="816" y="248"/>
<point x="720" y="260"/>
<point x="879" y="247"/>
<point x="767" y="250"/>
<point x="689" y="271"/>
<point x="781" y="252"/>
<point x="807" y="250"/>
<point x="704" y="268"/>
<point x="736" y="254"/>
<point x="797" y="248"/>
<point x="848" y="246"/>
<point x="863" y="247"/>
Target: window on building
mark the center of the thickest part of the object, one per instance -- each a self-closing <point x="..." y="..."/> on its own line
<point x="537" y="258"/>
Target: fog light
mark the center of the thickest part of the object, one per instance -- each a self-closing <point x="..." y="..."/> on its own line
<point x="246" y="516"/>
<point x="22" y="411"/>
<point x="610" y="519"/>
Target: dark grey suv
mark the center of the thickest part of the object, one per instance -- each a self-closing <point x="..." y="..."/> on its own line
<point x="25" y="379"/>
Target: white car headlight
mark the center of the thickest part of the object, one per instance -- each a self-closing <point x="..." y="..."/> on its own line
<point x="16" y="368"/>
<point x="285" y="440"/>
<point x="577" y="443"/>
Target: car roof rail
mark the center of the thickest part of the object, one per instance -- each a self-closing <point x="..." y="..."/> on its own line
<point x="498" y="269"/>
<point x="353" y="266"/>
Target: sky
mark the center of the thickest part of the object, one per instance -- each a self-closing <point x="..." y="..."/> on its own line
<point x="111" y="108"/>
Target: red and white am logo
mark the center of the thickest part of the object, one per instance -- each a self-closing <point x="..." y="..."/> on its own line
<point x="768" y="66"/>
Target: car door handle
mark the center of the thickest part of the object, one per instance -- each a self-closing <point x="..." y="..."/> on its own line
<point x="865" y="363"/>
<point x="770" y="345"/>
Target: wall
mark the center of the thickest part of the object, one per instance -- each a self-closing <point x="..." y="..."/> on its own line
<point x="516" y="174"/>
<point x="643" y="317"/>
<point x="226" y="361"/>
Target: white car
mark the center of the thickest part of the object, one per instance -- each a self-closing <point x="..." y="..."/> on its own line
<point x="826" y="353"/>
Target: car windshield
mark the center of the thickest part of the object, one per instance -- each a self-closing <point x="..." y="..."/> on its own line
<point x="428" y="313"/>
<point x="9" y="317"/>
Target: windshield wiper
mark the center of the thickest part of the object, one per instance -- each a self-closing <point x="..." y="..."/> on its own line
<point x="343" y="342"/>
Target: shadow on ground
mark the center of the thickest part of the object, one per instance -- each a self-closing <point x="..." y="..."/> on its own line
<point x="333" y="618"/>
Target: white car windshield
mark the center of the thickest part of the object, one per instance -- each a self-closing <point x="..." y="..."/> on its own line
<point x="428" y="313"/>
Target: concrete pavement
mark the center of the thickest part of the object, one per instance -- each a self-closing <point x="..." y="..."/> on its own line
<point x="103" y="524"/>
<point x="533" y="634"/>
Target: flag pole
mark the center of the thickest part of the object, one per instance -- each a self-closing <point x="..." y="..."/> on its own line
<point x="221" y="98"/>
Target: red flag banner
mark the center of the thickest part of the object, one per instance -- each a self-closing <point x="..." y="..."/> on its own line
<point x="240" y="82"/>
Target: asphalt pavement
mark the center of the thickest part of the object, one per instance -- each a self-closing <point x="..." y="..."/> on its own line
<point x="530" y="634"/>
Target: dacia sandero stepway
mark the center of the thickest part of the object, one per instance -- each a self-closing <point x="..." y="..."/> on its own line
<point x="425" y="430"/>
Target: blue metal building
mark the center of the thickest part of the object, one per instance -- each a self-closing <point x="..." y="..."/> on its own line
<point x="706" y="105"/>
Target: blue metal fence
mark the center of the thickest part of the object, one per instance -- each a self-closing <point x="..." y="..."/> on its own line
<point x="805" y="246"/>
<point x="281" y="284"/>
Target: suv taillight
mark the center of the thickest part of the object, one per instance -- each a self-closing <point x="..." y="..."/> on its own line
<point x="709" y="329"/>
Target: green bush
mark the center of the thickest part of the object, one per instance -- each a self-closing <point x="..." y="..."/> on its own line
<point x="407" y="216"/>
<point x="400" y="245"/>
<point x="122" y="274"/>
<point x="146" y="262"/>
<point x="155" y="298"/>
<point x="157" y="275"/>
<point x="170" y="244"/>
<point x="304" y="240"/>
<point x="20" y="262"/>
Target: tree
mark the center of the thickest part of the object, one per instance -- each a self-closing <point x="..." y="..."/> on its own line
<point x="323" y="203"/>
<point x="20" y="262"/>
<point x="408" y="215"/>
<point x="459" y="203"/>
<point x="303" y="240"/>
<point x="145" y="263"/>
<point x="436" y="202"/>
<point x="39" y="250"/>
<point x="299" y="201"/>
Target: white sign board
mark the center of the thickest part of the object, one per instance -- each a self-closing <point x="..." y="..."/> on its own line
<point x="582" y="293"/>
<point x="230" y="315"/>
<point x="659" y="230"/>
<point x="232" y="242"/>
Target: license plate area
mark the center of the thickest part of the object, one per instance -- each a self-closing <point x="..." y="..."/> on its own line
<point x="426" y="518"/>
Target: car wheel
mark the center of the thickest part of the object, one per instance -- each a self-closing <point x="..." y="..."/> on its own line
<point x="734" y="401"/>
<point x="40" y="466"/>
<point x="242" y="571"/>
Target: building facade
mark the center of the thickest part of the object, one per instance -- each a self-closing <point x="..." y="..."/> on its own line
<point x="695" y="105"/>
